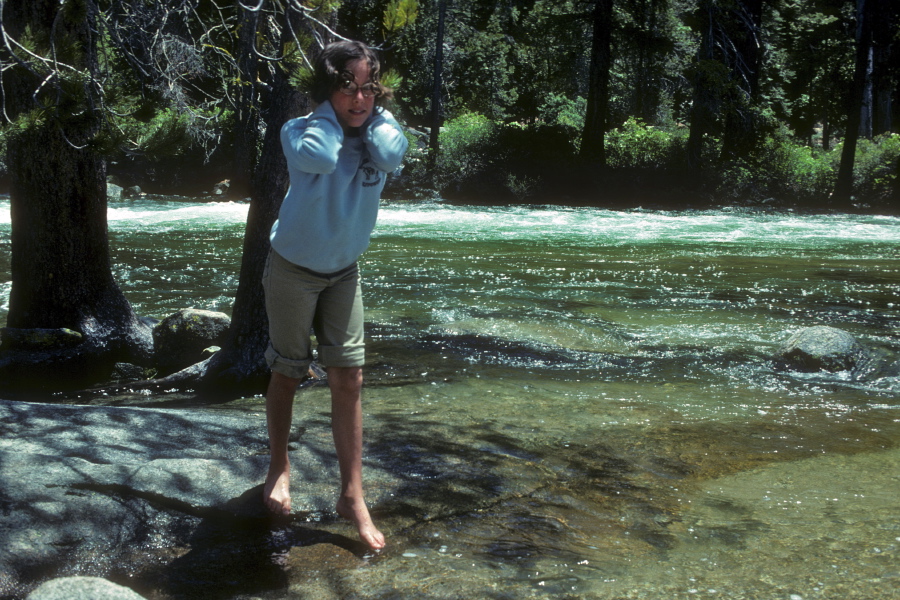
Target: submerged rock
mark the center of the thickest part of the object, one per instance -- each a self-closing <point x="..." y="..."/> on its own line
<point x="82" y="588"/>
<point x="181" y="338"/>
<point x="822" y="348"/>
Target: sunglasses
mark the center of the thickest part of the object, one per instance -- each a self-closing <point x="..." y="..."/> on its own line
<point x="369" y="90"/>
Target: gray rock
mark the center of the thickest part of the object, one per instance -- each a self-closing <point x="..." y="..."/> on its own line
<point x="134" y="191"/>
<point x="222" y="187"/>
<point x="113" y="192"/>
<point x="82" y="588"/>
<point x="822" y="348"/>
<point x="181" y="338"/>
<point x="88" y="484"/>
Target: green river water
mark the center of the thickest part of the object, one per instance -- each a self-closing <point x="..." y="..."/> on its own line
<point x="584" y="402"/>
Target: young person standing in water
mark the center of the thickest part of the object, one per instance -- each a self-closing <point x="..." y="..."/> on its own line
<point x="338" y="157"/>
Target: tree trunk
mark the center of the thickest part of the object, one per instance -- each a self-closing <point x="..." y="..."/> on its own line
<point x="843" y="191"/>
<point x="60" y="263"/>
<point x="739" y="137"/>
<point x="239" y="367"/>
<point x="436" y="92"/>
<point x="597" y="112"/>
<point x="703" y="111"/>
<point x="885" y="69"/>
<point x="247" y="117"/>
<point x="866" y="106"/>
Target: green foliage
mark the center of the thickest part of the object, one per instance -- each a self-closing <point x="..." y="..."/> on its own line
<point x="780" y="169"/>
<point x="515" y="79"/>
<point x="467" y="144"/>
<point x="786" y="172"/>
<point x="875" y="169"/>
<point x="391" y="79"/>
<point x="560" y="110"/>
<point x="168" y="133"/>
<point x="638" y="145"/>
<point x="399" y="14"/>
<point x="485" y="160"/>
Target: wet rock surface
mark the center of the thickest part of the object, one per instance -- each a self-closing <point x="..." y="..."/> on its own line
<point x="76" y="588"/>
<point x="89" y="485"/>
<point x="181" y="338"/>
<point x="822" y="348"/>
<point x="164" y="499"/>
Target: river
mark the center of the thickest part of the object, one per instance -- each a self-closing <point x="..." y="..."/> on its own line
<point x="600" y="385"/>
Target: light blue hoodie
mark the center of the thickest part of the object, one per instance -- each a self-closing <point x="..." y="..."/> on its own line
<point x="331" y="207"/>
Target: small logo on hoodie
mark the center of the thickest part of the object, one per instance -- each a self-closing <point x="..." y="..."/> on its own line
<point x="371" y="175"/>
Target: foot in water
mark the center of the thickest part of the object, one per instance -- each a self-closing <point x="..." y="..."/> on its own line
<point x="276" y="493"/>
<point x="357" y="512"/>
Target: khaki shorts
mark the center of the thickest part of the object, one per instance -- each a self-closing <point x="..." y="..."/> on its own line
<point x="299" y="300"/>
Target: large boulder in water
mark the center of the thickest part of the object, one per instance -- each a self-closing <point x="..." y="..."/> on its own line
<point x="180" y="339"/>
<point x="82" y="588"/>
<point x="822" y="348"/>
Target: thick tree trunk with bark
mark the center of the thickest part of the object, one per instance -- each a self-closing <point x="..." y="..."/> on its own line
<point x="61" y="275"/>
<point x="597" y="112"/>
<point x="740" y="134"/>
<point x="843" y="191"/>
<point x="247" y="117"/>
<point x="239" y="367"/>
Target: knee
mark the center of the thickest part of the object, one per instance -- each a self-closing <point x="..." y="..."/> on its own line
<point x="280" y="385"/>
<point x="345" y="380"/>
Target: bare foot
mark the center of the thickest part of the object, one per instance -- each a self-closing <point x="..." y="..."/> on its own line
<point x="276" y="493"/>
<point x="356" y="511"/>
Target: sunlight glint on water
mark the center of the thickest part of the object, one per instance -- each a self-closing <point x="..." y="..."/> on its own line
<point x="612" y="371"/>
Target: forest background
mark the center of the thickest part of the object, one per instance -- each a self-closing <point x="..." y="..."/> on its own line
<point x="660" y="102"/>
<point x="779" y="104"/>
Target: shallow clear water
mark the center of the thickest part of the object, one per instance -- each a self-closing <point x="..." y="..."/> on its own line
<point x="589" y="397"/>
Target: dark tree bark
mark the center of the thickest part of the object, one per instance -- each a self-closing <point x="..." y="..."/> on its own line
<point x="60" y="263"/>
<point x="597" y="112"/>
<point x="740" y="133"/>
<point x="247" y="117"/>
<point x="885" y="67"/>
<point x="239" y="367"/>
<point x="843" y="191"/>
<point x="437" y="113"/>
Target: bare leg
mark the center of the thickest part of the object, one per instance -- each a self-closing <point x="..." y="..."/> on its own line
<point x="279" y="410"/>
<point x="346" y="426"/>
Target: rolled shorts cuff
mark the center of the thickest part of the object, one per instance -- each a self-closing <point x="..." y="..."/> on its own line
<point x="342" y="356"/>
<point x="295" y="369"/>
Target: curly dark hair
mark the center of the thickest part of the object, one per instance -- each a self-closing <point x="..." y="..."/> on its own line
<point x="330" y="70"/>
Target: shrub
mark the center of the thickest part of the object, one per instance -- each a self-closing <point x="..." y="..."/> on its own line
<point x="637" y="145"/>
<point x="560" y="111"/>
<point x="779" y="169"/>
<point x="797" y="174"/>
<point x="465" y="143"/>
<point x="875" y="169"/>
<point x="468" y="147"/>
